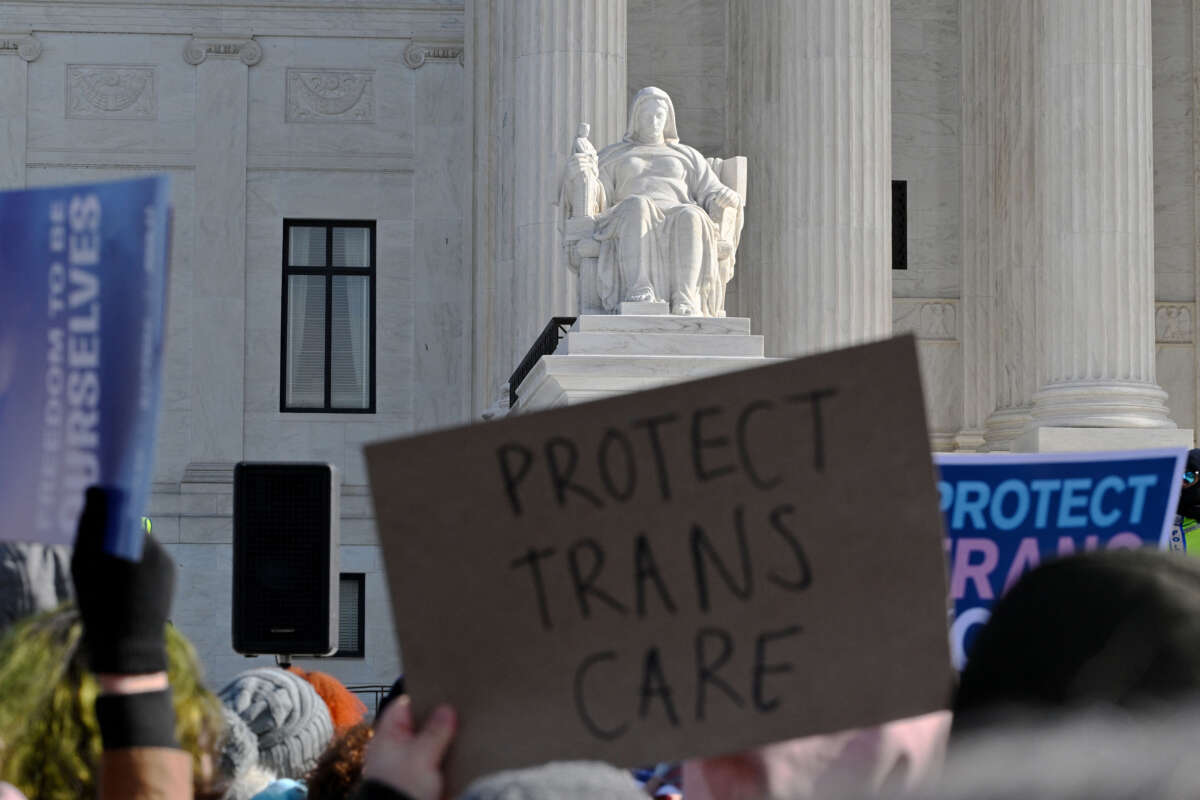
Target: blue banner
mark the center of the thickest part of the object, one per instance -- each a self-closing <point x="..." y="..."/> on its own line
<point x="82" y="297"/>
<point x="1006" y="513"/>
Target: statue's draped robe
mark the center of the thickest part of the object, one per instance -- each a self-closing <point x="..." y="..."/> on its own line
<point x="676" y="181"/>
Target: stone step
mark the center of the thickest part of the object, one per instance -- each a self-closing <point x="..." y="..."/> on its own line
<point x="629" y="323"/>
<point x="637" y="343"/>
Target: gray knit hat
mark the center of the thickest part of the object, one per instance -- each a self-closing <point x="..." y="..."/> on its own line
<point x="239" y="746"/>
<point x="579" y="780"/>
<point x="286" y="714"/>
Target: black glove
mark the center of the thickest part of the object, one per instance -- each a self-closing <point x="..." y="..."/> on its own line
<point x="124" y="604"/>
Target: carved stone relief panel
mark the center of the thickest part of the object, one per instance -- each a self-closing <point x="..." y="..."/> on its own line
<point x="928" y="319"/>
<point x="1173" y="322"/>
<point x="110" y="91"/>
<point x="330" y="95"/>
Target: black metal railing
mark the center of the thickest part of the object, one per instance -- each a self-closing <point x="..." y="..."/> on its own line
<point x="371" y="694"/>
<point x="545" y="344"/>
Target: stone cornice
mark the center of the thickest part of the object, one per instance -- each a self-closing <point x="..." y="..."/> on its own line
<point x="311" y="18"/>
<point x="24" y="44"/>
<point x="244" y="48"/>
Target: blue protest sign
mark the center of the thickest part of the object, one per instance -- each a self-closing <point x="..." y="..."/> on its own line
<point x="1006" y="513"/>
<point x="82" y="297"/>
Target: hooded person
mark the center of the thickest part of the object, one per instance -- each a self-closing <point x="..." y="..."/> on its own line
<point x="658" y="240"/>
<point x="1186" y="532"/>
<point x="288" y="718"/>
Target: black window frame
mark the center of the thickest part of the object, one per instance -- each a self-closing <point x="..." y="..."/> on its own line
<point x="329" y="272"/>
<point x="361" y="650"/>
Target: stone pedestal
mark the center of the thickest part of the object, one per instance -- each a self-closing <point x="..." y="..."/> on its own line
<point x="607" y="355"/>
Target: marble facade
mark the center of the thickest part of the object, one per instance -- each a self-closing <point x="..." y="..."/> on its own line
<point x="225" y="97"/>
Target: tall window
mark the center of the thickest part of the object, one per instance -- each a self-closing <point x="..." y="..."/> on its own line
<point x="327" y="361"/>
<point x="351" y="621"/>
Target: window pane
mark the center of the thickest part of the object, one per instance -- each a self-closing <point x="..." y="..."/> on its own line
<point x="306" y="342"/>
<point x="351" y="247"/>
<point x="350" y="385"/>
<point x="349" y="614"/>
<point x="306" y="246"/>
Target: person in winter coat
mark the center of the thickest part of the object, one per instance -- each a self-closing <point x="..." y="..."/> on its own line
<point x="106" y="698"/>
<point x="85" y="703"/>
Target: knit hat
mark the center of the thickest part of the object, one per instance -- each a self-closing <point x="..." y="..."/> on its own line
<point x="285" y="713"/>
<point x="345" y="709"/>
<point x="576" y="779"/>
<point x="239" y="746"/>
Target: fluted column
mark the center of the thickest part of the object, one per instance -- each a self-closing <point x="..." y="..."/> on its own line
<point x="978" y="82"/>
<point x="1096" y="302"/>
<point x="811" y="82"/>
<point x="1017" y="215"/>
<point x="540" y="67"/>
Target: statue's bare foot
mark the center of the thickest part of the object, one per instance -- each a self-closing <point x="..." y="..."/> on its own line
<point x="684" y="310"/>
<point x="642" y="295"/>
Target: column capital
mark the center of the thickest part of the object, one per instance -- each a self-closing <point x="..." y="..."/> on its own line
<point x="201" y="47"/>
<point x="23" y="44"/>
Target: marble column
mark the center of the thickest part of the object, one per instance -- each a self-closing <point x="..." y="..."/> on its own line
<point x="810" y="87"/>
<point x="219" y="273"/>
<point x="978" y="82"/>
<point x="1002" y="217"/>
<point x="539" y="68"/>
<point x="1096" y="299"/>
<point x="17" y="50"/>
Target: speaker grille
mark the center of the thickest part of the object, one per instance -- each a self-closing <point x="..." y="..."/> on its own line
<point x="282" y="558"/>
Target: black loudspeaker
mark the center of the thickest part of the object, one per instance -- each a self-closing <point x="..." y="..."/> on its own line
<point x="285" y="558"/>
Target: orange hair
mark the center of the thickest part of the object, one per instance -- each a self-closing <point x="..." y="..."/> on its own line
<point x="345" y="709"/>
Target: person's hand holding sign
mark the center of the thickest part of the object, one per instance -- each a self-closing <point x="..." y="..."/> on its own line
<point x="407" y="759"/>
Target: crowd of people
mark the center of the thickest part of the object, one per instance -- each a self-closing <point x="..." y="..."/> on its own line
<point x="1079" y="685"/>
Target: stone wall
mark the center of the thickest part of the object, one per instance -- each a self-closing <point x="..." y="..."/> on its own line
<point x="1175" y="161"/>
<point x="679" y="46"/>
<point x="247" y="145"/>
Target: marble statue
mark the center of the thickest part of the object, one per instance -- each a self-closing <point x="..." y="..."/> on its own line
<point x="648" y="220"/>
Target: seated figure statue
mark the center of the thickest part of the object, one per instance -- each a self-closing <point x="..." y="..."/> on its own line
<point x="649" y="217"/>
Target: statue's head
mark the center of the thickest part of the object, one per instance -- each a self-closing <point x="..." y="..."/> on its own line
<point x="651" y="118"/>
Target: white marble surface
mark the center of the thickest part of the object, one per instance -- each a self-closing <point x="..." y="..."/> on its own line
<point x="1172" y="31"/>
<point x="629" y="323"/>
<point x="926" y="134"/>
<point x="219" y="274"/>
<point x="1098" y="253"/>
<point x="14" y="73"/>
<point x="679" y="45"/>
<point x="1176" y="370"/>
<point x="818" y="229"/>
<point x="537" y="68"/>
<point x="563" y="380"/>
<point x="674" y="344"/>
<point x="1067" y="440"/>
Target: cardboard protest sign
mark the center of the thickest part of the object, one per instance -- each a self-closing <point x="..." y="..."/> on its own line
<point x="1006" y="513"/>
<point x="691" y="570"/>
<point x="82" y="297"/>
